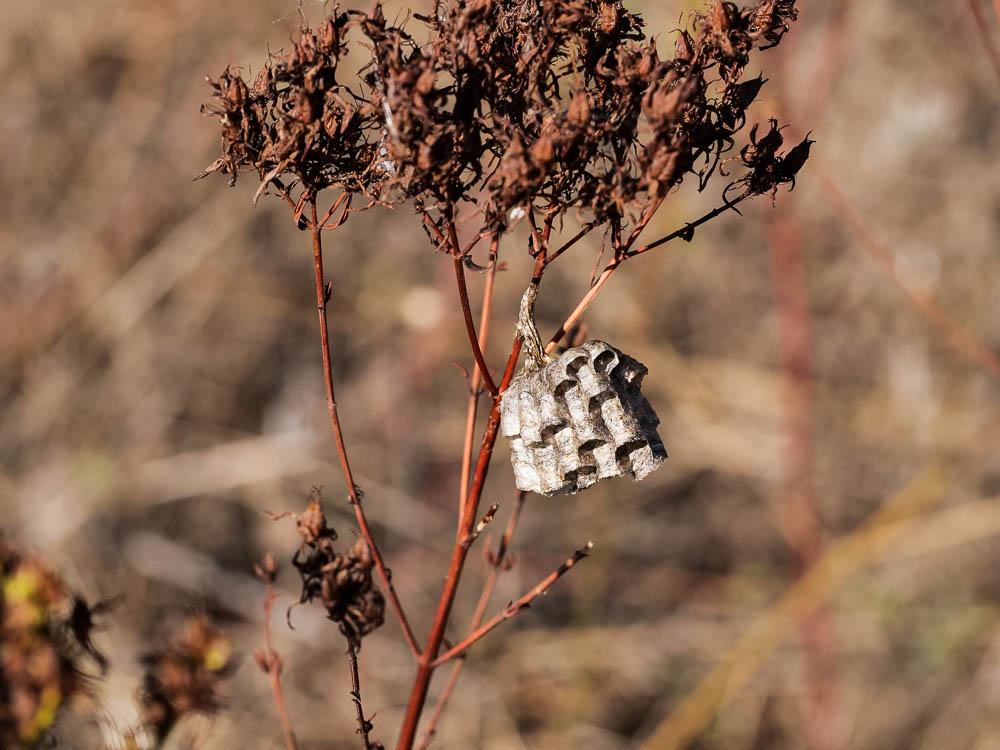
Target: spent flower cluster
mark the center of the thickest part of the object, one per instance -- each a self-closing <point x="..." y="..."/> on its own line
<point x="554" y="104"/>
<point x="342" y="581"/>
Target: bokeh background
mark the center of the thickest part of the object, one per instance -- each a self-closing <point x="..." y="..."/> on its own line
<point x="818" y="564"/>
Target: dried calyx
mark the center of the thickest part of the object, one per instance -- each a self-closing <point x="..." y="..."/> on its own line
<point x="552" y="104"/>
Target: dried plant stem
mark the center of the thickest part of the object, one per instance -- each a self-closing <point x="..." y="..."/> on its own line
<point x="610" y="268"/>
<point x="497" y="563"/>
<point x="442" y="702"/>
<point x="514" y="607"/>
<point x="425" y="669"/>
<point x="688" y="229"/>
<point x="475" y="381"/>
<point x="584" y="231"/>
<point x="583" y="304"/>
<point x="463" y="295"/>
<point x="338" y="435"/>
<point x="274" y="673"/>
<point x="364" y="725"/>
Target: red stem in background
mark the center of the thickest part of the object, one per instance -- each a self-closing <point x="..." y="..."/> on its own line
<point x="338" y="435"/>
<point x="954" y="332"/>
<point x="797" y="510"/>
<point x="985" y="33"/>
<point x="272" y="662"/>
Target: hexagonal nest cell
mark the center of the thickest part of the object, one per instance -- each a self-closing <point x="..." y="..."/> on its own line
<point x="580" y="419"/>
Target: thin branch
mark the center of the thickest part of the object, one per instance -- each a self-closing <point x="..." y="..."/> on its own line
<point x="954" y="332"/>
<point x="284" y="192"/>
<point x="648" y="214"/>
<point x="353" y="492"/>
<point x="463" y="295"/>
<point x="470" y="326"/>
<point x="513" y="608"/>
<point x="475" y="390"/>
<point x="442" y="702"/>
<point x="272" y="663"/>
<point x="687" y="231"/>
<point x="584" y="231"/>
<point x="536" y="235"/>
<point x="364" y="725"/>
<point x="583" y="304"/>
<point x="333" y="209"/>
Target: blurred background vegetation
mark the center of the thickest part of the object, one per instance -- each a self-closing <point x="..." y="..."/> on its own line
<point x="825" y="371"/>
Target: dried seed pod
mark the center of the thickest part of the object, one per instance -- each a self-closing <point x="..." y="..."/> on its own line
<point x="580" y="419"/>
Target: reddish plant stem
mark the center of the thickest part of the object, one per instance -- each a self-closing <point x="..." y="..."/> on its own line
<point x="273" y="663"/>
<point x="583" y="304"/>
<point x="475" y="391"/>
<point x="797" y="511"/>
<point x="584" y="231"/>
<point x="338" y="435"/>
<point x="463" y="297"/>
<point x="497" y="564"/>
<point x="425" y="668"/>
<point x="513" y="608"/>
<point x="610" y="268"/>
<point x="649" y="213"/>
<point x="341" y="199"/>
<point x="442" y="702"/>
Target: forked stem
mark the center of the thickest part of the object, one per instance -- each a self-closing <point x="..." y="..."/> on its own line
<point x="353" y="492"/>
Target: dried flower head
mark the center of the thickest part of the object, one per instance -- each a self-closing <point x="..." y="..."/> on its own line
<point x="296" y="120"/>
<point x="38" y="669"/>
<point x="341" y="580"/>
<point x="555" y="104"/>
<point x="185" y="676"/>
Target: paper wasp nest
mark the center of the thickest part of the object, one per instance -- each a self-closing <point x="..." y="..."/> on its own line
<point x="580" y="419"/>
